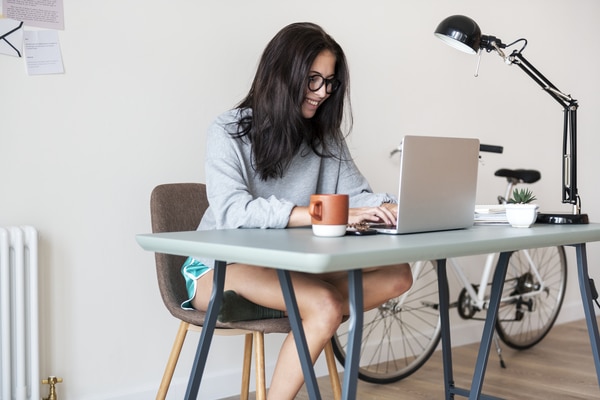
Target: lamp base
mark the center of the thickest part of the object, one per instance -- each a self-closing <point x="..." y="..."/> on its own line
<point x="562" y="219"/>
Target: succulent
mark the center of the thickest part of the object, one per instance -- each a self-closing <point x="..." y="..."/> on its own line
<point x="521" y="196"/>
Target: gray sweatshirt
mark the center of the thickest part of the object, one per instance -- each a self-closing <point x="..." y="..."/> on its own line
<point x="238" y="198"/>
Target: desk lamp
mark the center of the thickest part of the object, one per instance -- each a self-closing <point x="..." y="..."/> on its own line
<point x="463" y="33"/>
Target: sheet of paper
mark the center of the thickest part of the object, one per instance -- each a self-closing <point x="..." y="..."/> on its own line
<point x="11" y="37"/>
<point x="39" y="13"/>
<point x="42" y="53"/>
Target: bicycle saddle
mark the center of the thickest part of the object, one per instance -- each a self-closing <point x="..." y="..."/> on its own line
<point x="523" y="175"/>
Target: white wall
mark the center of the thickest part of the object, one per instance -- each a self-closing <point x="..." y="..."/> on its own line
<point x="80" y="152"/>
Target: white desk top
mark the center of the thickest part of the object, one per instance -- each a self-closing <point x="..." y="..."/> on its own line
<point x="299" y="250"/>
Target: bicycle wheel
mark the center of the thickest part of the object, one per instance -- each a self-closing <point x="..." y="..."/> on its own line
<point x="400" y="335"/>
<point x="528" y="317"/>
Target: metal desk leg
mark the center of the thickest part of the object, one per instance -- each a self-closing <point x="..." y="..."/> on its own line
<point x="355" y="325"/>
<point x="450" y="389"/>
<point x="208" y="329"/>
<point x="588" y="306"/>
<point x="490" y="322"/>
<point x="444" y="295"/>
<point x="296" y="323"/>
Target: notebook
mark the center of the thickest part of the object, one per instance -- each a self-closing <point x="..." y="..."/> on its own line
<point x="438" y="184"/>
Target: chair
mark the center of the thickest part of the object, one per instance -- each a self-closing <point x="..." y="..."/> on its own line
<point x="179" y="207"/>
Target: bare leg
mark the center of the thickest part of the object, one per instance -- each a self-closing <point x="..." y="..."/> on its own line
<point x="322" y="302"/>
<point x="379" y="284"/>
<point x="319" y="303"/>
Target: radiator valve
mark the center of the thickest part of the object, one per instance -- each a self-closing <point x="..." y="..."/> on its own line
<point x="52" y="381"/>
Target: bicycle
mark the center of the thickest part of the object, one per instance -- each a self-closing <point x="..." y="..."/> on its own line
<point x="401" y="335"/>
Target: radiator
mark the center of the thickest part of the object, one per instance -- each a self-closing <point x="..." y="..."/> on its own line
<point x="19" y="326"/>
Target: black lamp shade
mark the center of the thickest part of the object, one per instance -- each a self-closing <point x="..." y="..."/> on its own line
<point x="460" y="32"/>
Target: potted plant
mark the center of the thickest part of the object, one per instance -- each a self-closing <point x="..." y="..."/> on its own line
<point x="520" y="211"/>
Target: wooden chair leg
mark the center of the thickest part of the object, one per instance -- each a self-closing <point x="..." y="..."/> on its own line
<point x="247" y="365"/>
<point x="333" y="373"/>
<point x="172" y="362"/>
<point x="259" y="353"/>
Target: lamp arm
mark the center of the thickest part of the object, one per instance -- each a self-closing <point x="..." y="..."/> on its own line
<point x="570" y="194"/>
<point x="517" y="57"/>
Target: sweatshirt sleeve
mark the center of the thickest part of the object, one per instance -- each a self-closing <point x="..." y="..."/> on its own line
<point x="229" y="174"/>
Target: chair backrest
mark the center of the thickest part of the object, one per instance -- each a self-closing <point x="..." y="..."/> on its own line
<point x="176" y="207"/>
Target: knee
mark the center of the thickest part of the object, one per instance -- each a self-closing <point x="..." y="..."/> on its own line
<point x="402" y="281"/>
<point x="324" y="312"/>
<point x="331" y="306"/>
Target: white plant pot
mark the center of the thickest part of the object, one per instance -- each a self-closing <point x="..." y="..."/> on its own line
<point x="521" y="215"/>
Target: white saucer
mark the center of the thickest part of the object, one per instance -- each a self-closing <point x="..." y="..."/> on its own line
<point x="329" y="230"/>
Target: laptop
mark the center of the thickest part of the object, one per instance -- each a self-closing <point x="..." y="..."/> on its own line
<point x="438" y="184"/>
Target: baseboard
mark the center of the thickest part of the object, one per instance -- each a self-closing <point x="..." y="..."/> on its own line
<point x="215" y="385"/>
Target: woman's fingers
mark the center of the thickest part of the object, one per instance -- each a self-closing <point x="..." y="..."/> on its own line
<point x="383" y="214"/>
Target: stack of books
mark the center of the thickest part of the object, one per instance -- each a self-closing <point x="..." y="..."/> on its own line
<point x="490" y="215"/>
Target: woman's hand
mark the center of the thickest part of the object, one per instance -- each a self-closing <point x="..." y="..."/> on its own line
<point x="385" y="214"/>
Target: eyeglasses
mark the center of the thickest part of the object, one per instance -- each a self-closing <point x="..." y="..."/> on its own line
<point x="316" y="82"/>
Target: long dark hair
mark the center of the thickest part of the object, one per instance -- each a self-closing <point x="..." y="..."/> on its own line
<point x="276" y="127"/>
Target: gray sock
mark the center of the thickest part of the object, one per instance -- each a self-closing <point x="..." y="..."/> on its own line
<point x="236" y="308"/>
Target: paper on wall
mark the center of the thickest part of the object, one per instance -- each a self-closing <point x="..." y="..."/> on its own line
<point x="42" y="53"/>
<point x="39" y="13"/>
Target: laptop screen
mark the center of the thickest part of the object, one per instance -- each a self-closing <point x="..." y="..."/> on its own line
<point x="438" y="183"/>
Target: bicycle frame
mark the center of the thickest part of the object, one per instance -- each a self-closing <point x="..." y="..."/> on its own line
<point x="478" y="298"/>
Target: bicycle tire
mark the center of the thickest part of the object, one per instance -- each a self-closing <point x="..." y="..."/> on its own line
<point x="523" y="324"/>
<point x="398" y="339"/>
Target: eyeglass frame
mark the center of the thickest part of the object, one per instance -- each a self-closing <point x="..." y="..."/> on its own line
<point x="332" y="83"/>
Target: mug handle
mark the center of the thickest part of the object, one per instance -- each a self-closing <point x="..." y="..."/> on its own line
<point x="315" y="210"/>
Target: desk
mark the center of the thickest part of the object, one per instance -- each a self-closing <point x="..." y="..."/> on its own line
<point x="298" y="250"/>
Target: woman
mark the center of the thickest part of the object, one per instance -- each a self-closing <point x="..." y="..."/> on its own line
<point x="264" y="159"/>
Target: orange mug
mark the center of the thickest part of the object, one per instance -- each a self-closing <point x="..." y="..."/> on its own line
<point x="329" y="214"/>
